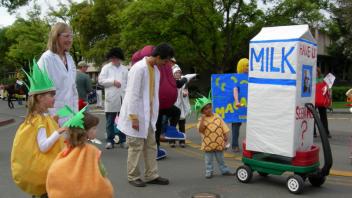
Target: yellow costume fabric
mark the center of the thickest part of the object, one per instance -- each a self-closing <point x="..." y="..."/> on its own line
<point x="213" y="136"/>
<point x="75" y="173"/>
<point x="29" y="165"/>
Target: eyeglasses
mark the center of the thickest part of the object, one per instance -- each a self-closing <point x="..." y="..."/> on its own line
<point x="66" y="35"/>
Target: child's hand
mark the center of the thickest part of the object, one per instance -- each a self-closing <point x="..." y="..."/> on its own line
<point x="185" y="93"/>
<point x="61" y="130"/>
<point x="56" y="118"/>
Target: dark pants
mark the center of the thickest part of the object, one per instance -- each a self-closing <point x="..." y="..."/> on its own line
<point x="235" y="134"/>
<point x="324" y="119"/>
<point x="173" y="113"/>
<point x="9" y="101"/>
<point x="110" y="128"/>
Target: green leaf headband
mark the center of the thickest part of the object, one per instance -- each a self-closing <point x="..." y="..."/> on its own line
<point x="76" y="121"/>
<point x="39" y="80"/>
<point x="200" y="102"/>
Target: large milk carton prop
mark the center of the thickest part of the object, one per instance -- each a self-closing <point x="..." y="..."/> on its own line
<point x="282" y="71"/>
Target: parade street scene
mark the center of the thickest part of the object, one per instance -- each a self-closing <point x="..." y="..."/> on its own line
<point x="175" y="98"/>
<point x="185" y="166"/>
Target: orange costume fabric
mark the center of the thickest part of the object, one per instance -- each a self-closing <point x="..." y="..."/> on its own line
<point x="28" y="164"/>
<point x="213" y="136"/>
<point x="75" y="173"/>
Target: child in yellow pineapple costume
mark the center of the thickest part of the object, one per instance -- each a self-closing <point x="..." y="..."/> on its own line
<point x="77" y="171"/>
<point x="38" y="139"/>
<point x="214" y="137"/>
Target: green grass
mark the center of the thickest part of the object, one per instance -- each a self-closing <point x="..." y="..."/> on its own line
<point x="339" y="105"/>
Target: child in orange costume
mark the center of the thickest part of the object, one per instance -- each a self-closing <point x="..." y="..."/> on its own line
<point x="77" y="171"/>
<point x="38" y="139"/>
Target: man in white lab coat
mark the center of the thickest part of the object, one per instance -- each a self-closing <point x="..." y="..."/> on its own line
<point x="113" y="77"/>
<point x="139" y="113"/>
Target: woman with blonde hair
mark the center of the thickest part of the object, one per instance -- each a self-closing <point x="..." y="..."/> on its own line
<point x="61" y="67"/>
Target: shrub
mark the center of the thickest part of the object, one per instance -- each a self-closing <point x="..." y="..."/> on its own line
<point x="339" y="93"/>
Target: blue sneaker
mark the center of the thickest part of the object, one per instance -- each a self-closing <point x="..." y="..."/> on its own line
<point x="161" y="154"/>
<point x="172" y="133"/>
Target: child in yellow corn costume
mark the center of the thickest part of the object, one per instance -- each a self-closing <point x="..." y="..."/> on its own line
<point x="77" y="171"/>
<point x="38" y="139"/>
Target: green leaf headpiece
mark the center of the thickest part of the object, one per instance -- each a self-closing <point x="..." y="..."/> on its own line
<point x="76" y="121"/>
<point x="200" y="103"/>
<point x="39" y="80"/>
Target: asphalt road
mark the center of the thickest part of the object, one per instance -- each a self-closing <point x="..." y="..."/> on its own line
<point x="185" y="167"/>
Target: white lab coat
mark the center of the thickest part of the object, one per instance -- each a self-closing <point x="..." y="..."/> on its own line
<point x="137" y="101"/>
<point x="64" y="81"/>
<point x="113" y="95"/>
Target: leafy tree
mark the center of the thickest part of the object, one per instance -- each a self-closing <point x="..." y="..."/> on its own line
<point x="206" y="34"/>
<point x="291" y="12"/>
<point x="339" y="30"/>
<point x="12" y="5"/>
<point x="93" y="22"/>
<point x="5" y="65"/>
<point x="27" y="38"/>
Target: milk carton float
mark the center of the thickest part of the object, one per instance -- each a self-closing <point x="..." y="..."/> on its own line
<point x="282" y="72"/>
<point x="280" y="111"/>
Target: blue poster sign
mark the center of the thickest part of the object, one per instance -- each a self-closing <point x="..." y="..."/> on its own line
<point x="222" y="86"/>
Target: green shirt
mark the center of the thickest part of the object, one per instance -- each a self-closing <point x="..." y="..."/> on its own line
<point x="84" y="85"/>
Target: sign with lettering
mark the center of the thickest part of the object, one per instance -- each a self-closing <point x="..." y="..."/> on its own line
<point x="222" y="86"/>
<point x="282" y="72"/>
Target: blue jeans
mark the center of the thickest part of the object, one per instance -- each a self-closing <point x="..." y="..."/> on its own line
<point x="110" y="129"/>
<point x="235" y="133"/>
<point x="219" y="156"/>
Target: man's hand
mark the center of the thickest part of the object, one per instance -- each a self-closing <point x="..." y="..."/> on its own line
<point x="117" y="84"/>
<point x="135" y="124"/>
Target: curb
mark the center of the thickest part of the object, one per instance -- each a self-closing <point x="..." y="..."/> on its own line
<point x="6" y="122"/>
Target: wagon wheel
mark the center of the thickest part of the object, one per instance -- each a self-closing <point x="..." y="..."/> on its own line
<point x="295" y="184"/>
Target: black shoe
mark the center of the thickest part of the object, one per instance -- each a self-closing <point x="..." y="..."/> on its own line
<point x="137" y="183"/>
<point x="329" y="136"/>
<point x="159" y="181"/>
